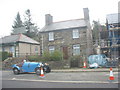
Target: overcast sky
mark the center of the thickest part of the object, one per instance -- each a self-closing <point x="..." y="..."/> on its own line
<point x="60" y="10"/>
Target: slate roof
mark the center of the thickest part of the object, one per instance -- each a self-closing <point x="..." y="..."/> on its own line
<point x="64" y="25"/>
<point x="17" y="38"/>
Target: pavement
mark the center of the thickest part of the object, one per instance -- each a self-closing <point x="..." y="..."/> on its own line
<point x="85" y="70"/>
<point x="80" y="70"/>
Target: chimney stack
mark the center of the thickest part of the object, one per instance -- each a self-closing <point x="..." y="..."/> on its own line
<point x="48" y="19"/>
<point x="86" y="13"/>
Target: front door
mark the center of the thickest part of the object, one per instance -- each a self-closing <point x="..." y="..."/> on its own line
<point x="65" y="52"/>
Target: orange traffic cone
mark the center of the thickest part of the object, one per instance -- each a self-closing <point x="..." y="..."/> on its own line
<point x="42" y="73"/>
<point x="111" y="75"/>
<point x="84" y="65"/>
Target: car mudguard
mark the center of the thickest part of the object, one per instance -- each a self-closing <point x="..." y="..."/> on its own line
<point x="15" y="66"/>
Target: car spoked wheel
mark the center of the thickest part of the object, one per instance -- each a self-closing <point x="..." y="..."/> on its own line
<point x="16" y="71"/>
<point x="47" y="69"/>
<point x="38" y="71"/>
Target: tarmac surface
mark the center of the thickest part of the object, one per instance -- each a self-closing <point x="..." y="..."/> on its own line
<point x="72" y="78"/>
<point x="66" y="74"/>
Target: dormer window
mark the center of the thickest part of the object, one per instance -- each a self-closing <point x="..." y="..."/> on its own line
<point x="51" y="36"/>
<point x="75" y="33"/>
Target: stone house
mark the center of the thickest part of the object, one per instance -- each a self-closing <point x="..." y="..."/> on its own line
<point x="19" y="45"/>
<point x="72" y="37"/>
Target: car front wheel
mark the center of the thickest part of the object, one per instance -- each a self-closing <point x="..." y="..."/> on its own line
<point x="16" y="71"/>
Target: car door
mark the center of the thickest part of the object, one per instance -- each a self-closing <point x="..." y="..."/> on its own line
<point x="25" y="67"/>
<point x="32" y="66"/>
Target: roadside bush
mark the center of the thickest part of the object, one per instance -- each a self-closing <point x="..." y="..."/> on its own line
<point x="76" y="60"/>
<point x="4" y="55"/>
<point x="76" y="57"/>
<point x="36" y="58"/>
<point x="54" y="56"/>
<point x="46" y="56"/>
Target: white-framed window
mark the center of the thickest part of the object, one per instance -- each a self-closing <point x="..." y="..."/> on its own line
<point x="75" y="33"/>
<point x="51" y="49"/>
<point x="12" y="49"/>
<point x="36" y="49"/>
<point x="51" y="36"/>
<point x="76" y="49"/>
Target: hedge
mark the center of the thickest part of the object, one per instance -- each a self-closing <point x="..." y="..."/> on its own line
<point x="55" y="56"/>
<point x="4" y="55"/>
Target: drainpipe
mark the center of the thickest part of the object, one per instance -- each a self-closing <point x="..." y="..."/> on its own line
<point x="42" y="43"/>
<point x="30" y="49"/>
<point x="14" y="50"/>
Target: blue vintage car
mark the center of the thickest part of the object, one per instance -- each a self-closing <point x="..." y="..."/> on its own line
<point x="30" y="67"/>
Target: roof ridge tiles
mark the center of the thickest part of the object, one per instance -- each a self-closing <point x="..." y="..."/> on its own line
<point x="69" y="20"/>
<point x="19" y="36"/>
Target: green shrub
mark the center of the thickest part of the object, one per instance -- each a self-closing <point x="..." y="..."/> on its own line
<point x="46" y="56"/>
<point x="76" y="57"/>
<point x="56" y="56"/>
<point x="36" y="58"/>
<point x="4" y="55"/>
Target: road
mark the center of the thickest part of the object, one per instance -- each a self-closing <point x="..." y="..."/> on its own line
<point x="34" y="84"/>
<point x="59" y="80"/>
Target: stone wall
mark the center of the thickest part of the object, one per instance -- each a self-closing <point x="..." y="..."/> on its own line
<point x="65" y="38"/>
<point x="59" y="64"/>
<point x="63" y="64"/>
<point x="7" y="64"/>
